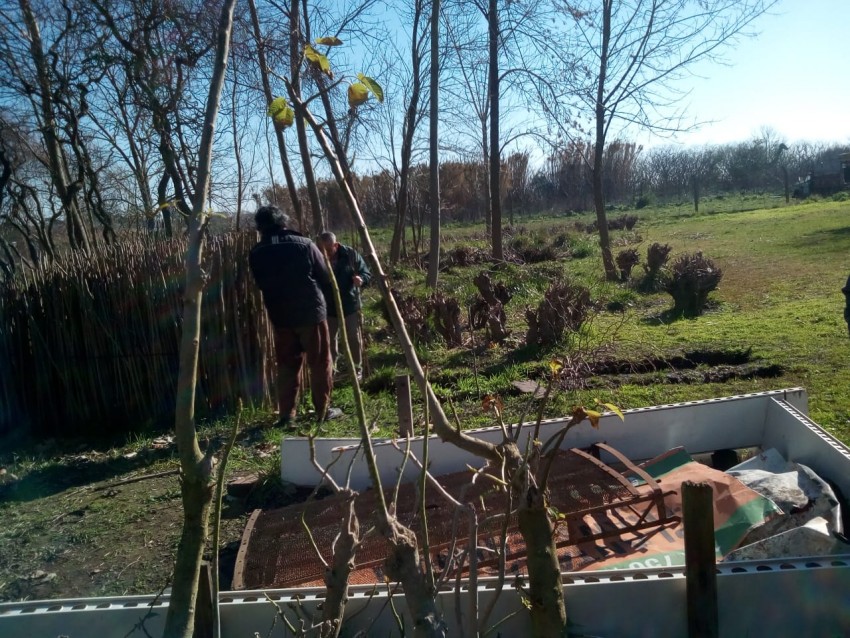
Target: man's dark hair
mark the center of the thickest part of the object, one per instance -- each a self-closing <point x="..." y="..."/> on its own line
<point x="270" y="218"/>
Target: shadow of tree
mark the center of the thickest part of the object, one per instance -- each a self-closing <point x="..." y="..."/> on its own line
<point x="72" y="471"/>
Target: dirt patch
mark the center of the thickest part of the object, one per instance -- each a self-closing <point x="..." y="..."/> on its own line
<point x="680" y="361"/>
<point x="89" y="542"/>
<point x="713" y="374"/>
<point x="695" y="366"/>
<point x="64" y="535"/>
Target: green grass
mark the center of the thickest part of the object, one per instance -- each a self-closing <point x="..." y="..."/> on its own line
<point x="780" y="295"/>
<point x="779" y="299"/>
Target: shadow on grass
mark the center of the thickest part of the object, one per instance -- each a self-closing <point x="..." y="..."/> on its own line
<point x="75" y="471"/>
<point x="670" y="315"/>
<point x="823" y="239"/>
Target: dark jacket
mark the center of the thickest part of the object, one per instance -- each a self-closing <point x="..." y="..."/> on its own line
<point x="349" y="263"/>
<point x="291" y="273"/>
<point x="846" y="291"/>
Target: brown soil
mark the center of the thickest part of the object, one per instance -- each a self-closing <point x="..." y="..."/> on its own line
<point x="71" y="528"/>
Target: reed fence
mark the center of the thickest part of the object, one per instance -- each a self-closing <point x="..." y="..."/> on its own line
<point x="92" y="342"/>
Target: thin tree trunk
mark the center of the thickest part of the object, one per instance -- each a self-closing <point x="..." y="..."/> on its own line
<point x="546" y="594"/>
<point x="197" y="486"/>
<point x="281" y="143"/>
<point x="411" y="118"/>
<point x="300" y="127"/>
<point x="599" y="149"/>
<point x="57" y="161"/>
<point x="162" y="198"/>
<point x="495" y="155"/>
<point x="434" y="150"/>
<point x="488" y="209"/>
<point x="785" y="184"/>
<point x="695" y="180"/>
<point x="336" y="578"/>
<point x="237" y="154"/>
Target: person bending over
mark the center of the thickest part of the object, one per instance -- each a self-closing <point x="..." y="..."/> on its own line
<point x="291" y="274"/>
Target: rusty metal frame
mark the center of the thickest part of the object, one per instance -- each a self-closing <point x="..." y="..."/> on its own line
<point x="274" y="551"/>
<point x="242" y="553"/>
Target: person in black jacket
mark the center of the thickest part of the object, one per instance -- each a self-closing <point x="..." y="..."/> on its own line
<point x="846" y="291"/>
<point x="352" y="274"/>
<point x="291" y="273"/>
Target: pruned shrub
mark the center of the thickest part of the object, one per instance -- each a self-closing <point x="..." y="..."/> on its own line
<point x="463" y="256"/>
<point x="446" y="315"/>
<point x="656" y="258"/>
<point x="644" y="200"/>
<point x="626" y="260"/>
<point x="623" y="222"/>
<point x="565" y="306"/>
<point x="488" y="310"/>
<point x="415" y="313"/>
<point x="689" y="281"/>
<point x="532" y="249"/>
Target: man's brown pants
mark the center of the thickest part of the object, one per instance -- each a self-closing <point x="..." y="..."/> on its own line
<point x="292" y="347"/>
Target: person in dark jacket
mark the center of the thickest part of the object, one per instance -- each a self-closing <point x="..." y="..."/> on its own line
<point x="846" y="291"/>
<point x="352" y="274"/>
<point x="291" y="273"/>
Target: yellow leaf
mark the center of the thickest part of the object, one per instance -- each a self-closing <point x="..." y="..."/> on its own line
<point x="318" y="59"/>
<point x="329" y="40"/>
<point x="285" y="117"/>
<point x="357" y="94"/>
<point x="372" y="85"/>
<point x="555" y="366"/>
<point x="614" y="409"/>
<point x="311" y="54"/>
<point x="277" y="104"/>
<point x="593" y="417"/>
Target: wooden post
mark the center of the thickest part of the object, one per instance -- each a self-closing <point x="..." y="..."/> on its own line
<point x="405" y="405"/>
<point x="700" y="572"/>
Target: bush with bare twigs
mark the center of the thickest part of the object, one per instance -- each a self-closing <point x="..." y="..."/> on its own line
<point x="488" y="310"/>
<point x="689" y="281"/>
<point x="445" y="312"/>
<point x="626" y="260"/>
<point x="565" y="306"/>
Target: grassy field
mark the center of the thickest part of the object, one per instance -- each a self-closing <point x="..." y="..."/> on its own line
<point x="73" y="526"/>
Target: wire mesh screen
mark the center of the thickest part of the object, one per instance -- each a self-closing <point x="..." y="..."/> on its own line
<point x="589" y="501"/>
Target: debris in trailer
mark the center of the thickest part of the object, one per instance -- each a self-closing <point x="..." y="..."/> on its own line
<point x="812" y="539"/>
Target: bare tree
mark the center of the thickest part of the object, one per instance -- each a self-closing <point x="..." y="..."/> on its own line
<point x="434" y="148"/>
<point x="632" y="53"/>
<point x="267" y="93"/>
<point x="197" y="475"/>
<point x="412" y="118"/>
<point x="48" y="79"/>
<point x="297" y="40"/>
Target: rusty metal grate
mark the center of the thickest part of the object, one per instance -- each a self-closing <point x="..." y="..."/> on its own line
<point x="596" y="502"/>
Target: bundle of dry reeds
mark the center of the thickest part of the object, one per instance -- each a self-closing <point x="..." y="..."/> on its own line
<point x="91" y="342"/>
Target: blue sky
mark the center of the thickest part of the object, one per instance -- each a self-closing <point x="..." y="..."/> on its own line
<point x="792" y="77"/>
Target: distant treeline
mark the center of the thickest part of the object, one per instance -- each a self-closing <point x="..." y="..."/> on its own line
<point x="563" y="181"/>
